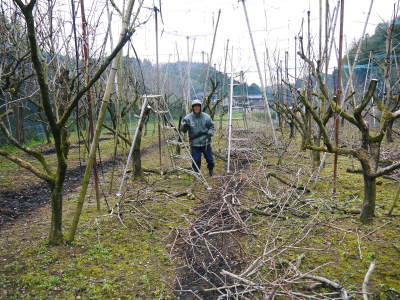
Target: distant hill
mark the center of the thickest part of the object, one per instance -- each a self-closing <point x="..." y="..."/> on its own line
<point x="375" y="45"/>
<point x="173" y="78"/>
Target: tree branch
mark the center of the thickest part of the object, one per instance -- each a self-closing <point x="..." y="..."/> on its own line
<point x="93" y="80"/>
<point x="387" y="170"/>
<point x="28" y="166"/>
<point x="367" y="97"/>
<point x="38" y="64"/>
<point x="27" y="150"/>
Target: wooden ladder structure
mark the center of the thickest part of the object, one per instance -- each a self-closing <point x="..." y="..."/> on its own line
<point x="238" y="140"/>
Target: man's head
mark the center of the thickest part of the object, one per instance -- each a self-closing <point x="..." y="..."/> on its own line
<point x="196" y="106"/>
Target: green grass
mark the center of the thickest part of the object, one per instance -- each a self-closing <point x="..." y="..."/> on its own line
<point x="109" y="260"/>
<point x="347" y="245"/>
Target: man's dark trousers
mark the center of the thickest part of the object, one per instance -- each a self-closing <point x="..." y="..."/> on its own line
<point x="196" y="154"/>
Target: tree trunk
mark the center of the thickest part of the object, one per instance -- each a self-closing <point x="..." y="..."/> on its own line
<point x="280" y="120"/>
<point x="316" y="159"/>
<point x="389" y="132"/>
<point x="221" y="117"/>
<point x="178" y="147"/>
<point x="368" y="206"/>
<point x="292" y="130"/>
<point x="19" y="122"/>
<point x="56" y="236"/>
<point x="316" y="155"/>
<point x="137" y="159"/>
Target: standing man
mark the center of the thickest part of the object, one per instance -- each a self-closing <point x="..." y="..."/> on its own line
<point x="201" y="128"/>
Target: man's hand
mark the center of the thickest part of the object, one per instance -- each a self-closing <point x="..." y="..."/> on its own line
<point x="185" y="125"/>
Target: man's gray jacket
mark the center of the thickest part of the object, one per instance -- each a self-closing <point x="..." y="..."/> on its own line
<point x="200" y="128"/>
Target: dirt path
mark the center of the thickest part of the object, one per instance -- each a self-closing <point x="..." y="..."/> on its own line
<point x="18" y="203"/>
<point x="211" y="243"/>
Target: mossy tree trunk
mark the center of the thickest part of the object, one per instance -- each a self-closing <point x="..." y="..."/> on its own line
<point x="369" y="159"/>
<point x="56" y="236"/>
<point x="19" y="122"/>
<point x="292" y="130"/>
<point x="316" y="155"/>
<point x="137" y="159"/>
<point x="389" y="132"/>
<point x="368" y="205"/>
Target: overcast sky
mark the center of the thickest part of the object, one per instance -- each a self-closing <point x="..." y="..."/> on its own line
<point x="195" y="18"/>
<point x="274" y="23"/>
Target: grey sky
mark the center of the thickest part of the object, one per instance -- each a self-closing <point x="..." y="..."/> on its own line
<point x="195" y="18"/>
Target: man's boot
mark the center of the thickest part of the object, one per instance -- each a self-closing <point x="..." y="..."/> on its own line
<point x="210" y="172"/>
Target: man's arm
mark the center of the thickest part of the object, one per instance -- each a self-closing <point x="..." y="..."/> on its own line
<point x="185" y="125"/>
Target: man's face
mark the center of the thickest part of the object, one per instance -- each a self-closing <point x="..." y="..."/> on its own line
<point x="197" y="109"/>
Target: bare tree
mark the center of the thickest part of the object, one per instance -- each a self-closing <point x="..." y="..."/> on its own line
<point x="57" y="107"/>
<point x="368" y="152"/>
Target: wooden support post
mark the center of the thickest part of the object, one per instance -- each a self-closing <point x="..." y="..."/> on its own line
<point x="221" y="112"/>
<point x="158" y="90"/>
<point x="85" y="50"/>
<point x="338" y="93"/>
<point x="287" y="76"/>
<point x="295" y="61"/>
<point x="188" y="77"/>
<point x="230" y="115"/>
<point x="326" y="58"/>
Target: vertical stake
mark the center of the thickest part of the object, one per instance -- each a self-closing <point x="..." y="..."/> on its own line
<point x="158" y="91"/>
<point x="338" y="93"/>
<point x="259" y="72"/>
<point x="230" y="115"/>
<point x="85" y="50"/>
<point x="188" y="77"/>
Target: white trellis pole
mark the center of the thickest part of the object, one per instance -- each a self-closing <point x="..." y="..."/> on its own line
<point x="230" y="115"/>
<point x="144" y="105"/>
<point x="263" y="87"/>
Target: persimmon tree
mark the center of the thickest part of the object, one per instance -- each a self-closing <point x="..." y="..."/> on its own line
<point x="368" y="152"/>
<point x="57" y="101"/>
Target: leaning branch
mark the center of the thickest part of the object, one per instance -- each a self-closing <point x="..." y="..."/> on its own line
<point x="387" y="170"/>
<point x="28" y="166"/>
<point x="27" y="150"/>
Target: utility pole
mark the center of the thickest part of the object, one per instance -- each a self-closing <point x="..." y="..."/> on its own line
<point x="338" y="93"/>
<point x="263" y="87"/>
<point x="85" y="50"/>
